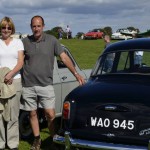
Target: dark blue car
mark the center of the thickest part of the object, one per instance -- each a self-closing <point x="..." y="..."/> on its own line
<point x="112" y="110"/>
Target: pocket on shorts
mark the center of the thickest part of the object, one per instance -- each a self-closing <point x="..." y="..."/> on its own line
<point x="51" y="90"/>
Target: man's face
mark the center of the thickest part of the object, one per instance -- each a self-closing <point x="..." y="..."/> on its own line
<point x="37" y="27"/>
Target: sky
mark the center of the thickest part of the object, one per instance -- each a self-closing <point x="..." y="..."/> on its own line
<point x="80" y="15"/>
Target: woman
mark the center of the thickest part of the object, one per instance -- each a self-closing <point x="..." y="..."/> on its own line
<point x="11" y="56"/>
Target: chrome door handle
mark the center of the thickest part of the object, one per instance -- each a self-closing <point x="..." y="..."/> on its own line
<point x="64" y="77"/>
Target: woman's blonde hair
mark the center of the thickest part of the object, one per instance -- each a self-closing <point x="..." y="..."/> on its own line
<point x="7" y="20"/>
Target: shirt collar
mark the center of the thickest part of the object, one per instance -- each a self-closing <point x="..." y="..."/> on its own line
<point x="32" y="39"/>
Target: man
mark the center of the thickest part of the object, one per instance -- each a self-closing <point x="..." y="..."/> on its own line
<point x="107" y="40"/>
<point x="110" y="57"/>
<point x="68" y="32"/>
<point x="138" y="54"/>
<point x="60" y="33"/>
<point x="40" y="49"/>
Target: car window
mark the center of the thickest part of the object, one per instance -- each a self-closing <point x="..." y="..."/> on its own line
<point x="60" y="63"/>
<point x="124" y="62"/>
<point x="104" y="64"/>
<point x="144" y="67"/>
<point x="146" y="59"/>
<point x="134" y="61"/>
<point x="108" y="62"/>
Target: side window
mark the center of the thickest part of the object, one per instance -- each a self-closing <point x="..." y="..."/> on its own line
<point x="104" y="64"/>
<point x="124" y="62"/>
<point x="142" y="61"/>
<point x="59" y="61"/>
<point x="108" y="64"/>
<point x="138" y="58"/>
<point x="145" y="59"/>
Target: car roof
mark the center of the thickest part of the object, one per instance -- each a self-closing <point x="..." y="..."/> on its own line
<point x="135" y="44"/>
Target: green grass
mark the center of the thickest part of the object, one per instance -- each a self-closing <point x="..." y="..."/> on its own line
<point x="85" y="53"/>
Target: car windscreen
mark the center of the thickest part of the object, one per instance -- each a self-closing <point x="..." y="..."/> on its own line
<point x="127" y="61"/>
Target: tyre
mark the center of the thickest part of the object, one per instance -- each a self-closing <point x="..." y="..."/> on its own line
<point x="24" y="125"/>
<point x="62" y="147"/>
<point x="58" y="147"/>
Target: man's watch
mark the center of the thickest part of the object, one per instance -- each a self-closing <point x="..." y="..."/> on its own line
<point x="75" y="73"/>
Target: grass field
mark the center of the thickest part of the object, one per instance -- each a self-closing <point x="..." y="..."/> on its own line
<point x="85" y="53"/>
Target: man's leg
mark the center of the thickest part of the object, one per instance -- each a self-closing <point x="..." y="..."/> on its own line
<point x="30" y="104"/>
<point x="47" y="101"/>
<point x="50" y="114"/>
<point x="34" y="123"/>
<point x="36" y="131"/>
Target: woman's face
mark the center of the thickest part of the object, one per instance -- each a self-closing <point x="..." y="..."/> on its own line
<point x="6" y="31"/>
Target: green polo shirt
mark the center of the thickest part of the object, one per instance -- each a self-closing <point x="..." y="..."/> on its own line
<point x="39" y="60"/>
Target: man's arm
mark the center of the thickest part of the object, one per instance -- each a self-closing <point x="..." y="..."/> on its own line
<point x="66" y="60"/>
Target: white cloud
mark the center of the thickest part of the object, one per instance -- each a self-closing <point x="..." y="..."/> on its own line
<point x="81" y="15"/>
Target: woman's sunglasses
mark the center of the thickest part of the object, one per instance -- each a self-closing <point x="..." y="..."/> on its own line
<point x="8" y="28"/>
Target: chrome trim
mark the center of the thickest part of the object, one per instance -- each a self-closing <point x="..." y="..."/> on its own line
<point x="110" y="107"/>
<point x="70" y="142"/>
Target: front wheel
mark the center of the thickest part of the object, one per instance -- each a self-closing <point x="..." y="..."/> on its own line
<point x="62" y="147"/>
<point x="58" y="147"/>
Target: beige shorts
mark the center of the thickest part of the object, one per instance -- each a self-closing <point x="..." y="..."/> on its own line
<point x="38" y="96"/>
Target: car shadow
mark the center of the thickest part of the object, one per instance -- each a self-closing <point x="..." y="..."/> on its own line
<point x="48" y="144"/>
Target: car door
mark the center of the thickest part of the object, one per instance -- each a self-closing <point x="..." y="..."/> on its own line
<point x="57" y="89"/>
<point x="67" y="79"/>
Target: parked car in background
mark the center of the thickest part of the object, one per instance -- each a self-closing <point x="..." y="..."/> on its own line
<point x="94" y="34"/>
<point x="120" y="34"/>
<point x="112" y="110"/>
<point x="19" y="35"/>
<point x="63" y="82"/>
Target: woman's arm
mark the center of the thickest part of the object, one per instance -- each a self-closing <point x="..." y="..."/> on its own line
<point x="20" y="62"/>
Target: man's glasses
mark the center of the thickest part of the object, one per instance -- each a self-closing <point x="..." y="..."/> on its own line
<point x="8" y="28"/>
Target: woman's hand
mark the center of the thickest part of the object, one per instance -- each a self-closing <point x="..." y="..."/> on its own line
<point x="8" y="78"/>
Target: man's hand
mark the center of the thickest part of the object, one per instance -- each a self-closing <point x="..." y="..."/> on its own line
<point x="67" y="61"/>
<point x="79" y="78"/>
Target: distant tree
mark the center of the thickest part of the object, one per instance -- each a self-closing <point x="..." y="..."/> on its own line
<point x="51" y="32"/>
<point x="48" y="31"/>
<point x="133" y="28"/>
<point x="107" y="30"/>
<point x="79" y="34"/>
<point x="54" y="31"/>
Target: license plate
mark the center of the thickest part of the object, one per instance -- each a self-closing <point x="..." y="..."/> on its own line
<point x="112" y="123"/>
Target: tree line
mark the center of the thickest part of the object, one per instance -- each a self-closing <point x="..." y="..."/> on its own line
<point x="106" y="30"/>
